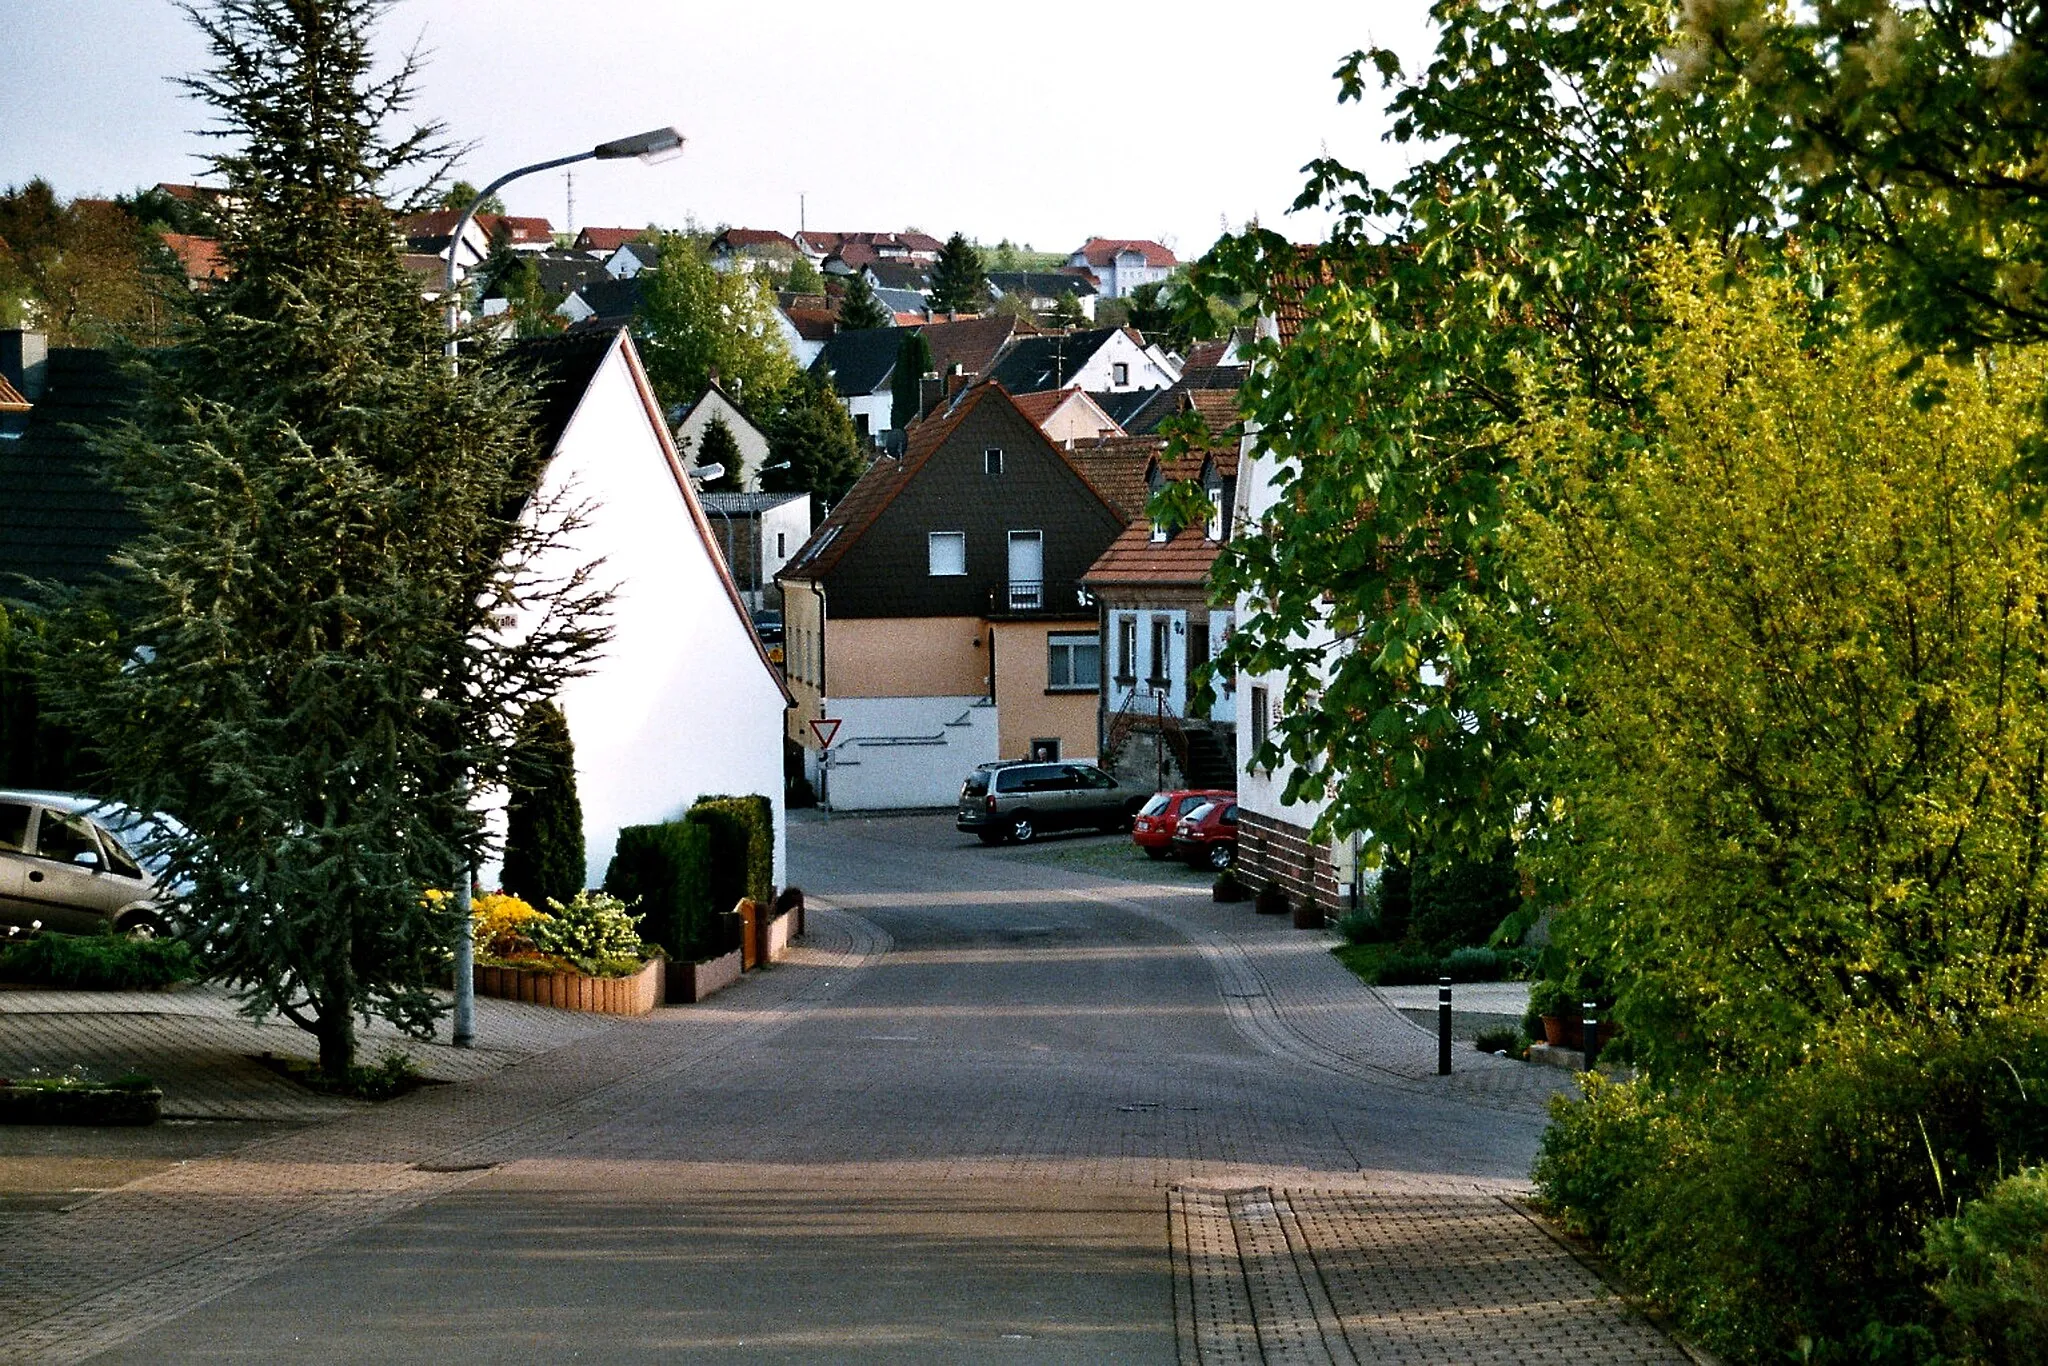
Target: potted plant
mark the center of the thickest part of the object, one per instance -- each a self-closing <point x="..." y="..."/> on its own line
<point x="585" y="954"/>
<point x="1271" y="900"/>
<point x="1227" y="887"/>
<point x="1549" y="1003"/>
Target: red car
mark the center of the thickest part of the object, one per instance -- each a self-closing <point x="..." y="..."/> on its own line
<point x="1152" y="831"/>
<point x="1207" y="836"/>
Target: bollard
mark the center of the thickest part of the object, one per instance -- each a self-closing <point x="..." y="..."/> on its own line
<point x="1591" y="1036"/>
<point x="1443" y="1026"/>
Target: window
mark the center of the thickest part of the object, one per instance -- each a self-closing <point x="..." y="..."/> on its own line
<point x="1162" y="651"/>
<point x="1215" y="528"/>
<point x="1073" y="663"/>
<point x="781" y="545"/>
<point x="1127" y="648"/>
<point x="1262" y="719"/>
<point x="117" y="858"/>
<point x="1027" y="571"/>
<point x="13" y="826"/>
<point x="948" y="553"/>
<point x="64" y="838"/>
<point x="992" y="460"/>
<point x="1120" y="374"/>
<point x="864" y="424"/>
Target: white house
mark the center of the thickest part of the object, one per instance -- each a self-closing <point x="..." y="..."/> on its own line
<point x="714" y="402"/>
<point x="1119" y="265"/>
<point x="1103" y="360"/>
<point x="632" y="258"/>
<point x="759" y="533"/>
<point x="683" y="703"/>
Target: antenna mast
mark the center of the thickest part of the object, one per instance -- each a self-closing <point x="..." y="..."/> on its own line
<point x="569" y="179"/>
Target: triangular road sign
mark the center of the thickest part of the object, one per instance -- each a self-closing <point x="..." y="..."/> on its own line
<point x="825" y="728"/>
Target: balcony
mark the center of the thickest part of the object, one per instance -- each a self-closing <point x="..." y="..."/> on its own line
<point x="1027" y="595"/>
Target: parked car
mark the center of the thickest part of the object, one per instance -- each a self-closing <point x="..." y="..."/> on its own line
<point x="768" y="626"/>
<point x="1207" y="836"/>
<point x="1018" y="799"/>
<point x="62" y="867"/>
<point x="1152" y="831"/>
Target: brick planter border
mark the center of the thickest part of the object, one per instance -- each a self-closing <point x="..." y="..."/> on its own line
<point x="772" y="935"/>
<point x="35" y="1105"/>
<point x="689" y="983"/>
<point x="635" y="995"/>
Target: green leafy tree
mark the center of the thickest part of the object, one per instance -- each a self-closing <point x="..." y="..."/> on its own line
<point x="906" y="382"/>
<point x="859" y="309"/>
<point x="459" y="195"/>
<point x="959" y="279"/>
<point x="1500" y="275"/>
<point x="718" y="446"/>
<point x="306" y="659"/>
<point x="1066" y="311"/>
<point x="515" y="277"/>
<point x="1799" y="724"/>
<point x="544" y="857"/>
<point x="1005" y="256"/>
<point x="804" y="277"/>
<point x="696" y="322"/>
<point x="86" y="272"/>
<point x="814" y="443"/>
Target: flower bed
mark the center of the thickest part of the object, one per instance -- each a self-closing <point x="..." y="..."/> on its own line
<point x="76" y="1098"/>
<point x="583" y="955"/>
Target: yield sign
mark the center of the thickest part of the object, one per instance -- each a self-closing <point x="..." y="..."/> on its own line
<point x="825" y="728"/>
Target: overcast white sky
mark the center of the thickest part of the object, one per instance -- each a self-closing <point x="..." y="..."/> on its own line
<point x="1043" y="123"/>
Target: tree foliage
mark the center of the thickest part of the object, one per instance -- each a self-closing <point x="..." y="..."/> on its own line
<point x="718" y="446"/>
<point x="305" y="659"/>
<point x="544" y="856"/>
<point x="86" y="272"/>
<point x="959" y="279"/>
<point x="906" y="382"/>
<point x="859" y="309"/>
<point x="696" y="323"/>
<point x="804" y="277"/>
<point x="813" y="442"/>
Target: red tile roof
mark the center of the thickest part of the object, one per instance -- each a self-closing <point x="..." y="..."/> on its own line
<point x="835" y="243"/>
<point x="1100" y="251"/>
<point x="1116" y="466"/>
<point x="607" y="239"/>
<point x="1135" y="559"/>
<point x="199" y="256"/>
<point x="737" y="238"/>
<point x="970" y="343"/>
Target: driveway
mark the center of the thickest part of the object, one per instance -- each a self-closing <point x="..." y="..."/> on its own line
<point x="1039" y="1104"/>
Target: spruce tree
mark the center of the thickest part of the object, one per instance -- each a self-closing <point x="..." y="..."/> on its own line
<point x="906" y="383"/>
<point x="718" y="446"/>
<point x="306" y="660"/>
<point x="815" y="439"/>
<point x="959" y="280"/>
<point x="859" y="309"/>
<point x="543" y="818"/>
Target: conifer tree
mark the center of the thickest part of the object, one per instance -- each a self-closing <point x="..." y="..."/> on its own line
<point x="804" y="277"/>
<point x="543" y="818"/>
<point x="959" y="280"/>
<point x="859" y="309"/>
<point x="718" y="446"/>
<point x="906" y="382"/>
<point x="306" y="659"/>
<point x="816" y="442"/>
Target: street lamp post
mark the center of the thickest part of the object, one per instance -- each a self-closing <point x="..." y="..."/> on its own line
<point x="659" y="144"/>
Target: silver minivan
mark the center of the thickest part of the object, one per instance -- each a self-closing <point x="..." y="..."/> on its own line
<point x="63" y="869"/>
<point x="1019" y="799"/>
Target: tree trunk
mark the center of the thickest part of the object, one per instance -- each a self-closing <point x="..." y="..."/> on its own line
<point x="336" y="1031"/>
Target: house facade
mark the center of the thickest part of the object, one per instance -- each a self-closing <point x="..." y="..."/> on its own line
<point x="1108" y="360"/>
<point x="715" y="404"/>
<point x="936" y="614"/>
<point x="1119" y="265"/>
<point x="758" y="534"/>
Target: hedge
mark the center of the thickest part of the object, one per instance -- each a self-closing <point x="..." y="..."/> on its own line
<point x="666" y="870"/>
<point x="742" y="831"/>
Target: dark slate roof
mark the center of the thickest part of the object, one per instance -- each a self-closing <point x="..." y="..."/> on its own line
<point x="1132" y="407"/>
<point x="1049" y="361"/>
<point x="615" y="300"/>
<point x="747" y="504"/>
<point x="900" y="301"/>
<point x="1047" y="284"/>
<point x="861" y="361"/>
<point x="562" y="367"/>
<point x="901" y="275"/>
<point x="58" y="519"/>
<point x="563" y="275"/>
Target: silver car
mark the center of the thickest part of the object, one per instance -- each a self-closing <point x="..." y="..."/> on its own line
<point x="63" y="869"/>
<point x="1017" y="800"/>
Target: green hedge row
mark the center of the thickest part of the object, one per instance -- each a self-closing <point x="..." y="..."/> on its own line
<point x="686" y="874"/>
<point x="742" y="847"/>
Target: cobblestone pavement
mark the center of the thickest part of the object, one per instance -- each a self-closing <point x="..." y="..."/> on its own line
<point x="993" y="1108"/>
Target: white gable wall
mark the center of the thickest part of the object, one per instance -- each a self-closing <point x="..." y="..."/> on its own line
<point x="1145" y="368"/>
<point x="753" y="443"/>
<point x="681" y="705"/>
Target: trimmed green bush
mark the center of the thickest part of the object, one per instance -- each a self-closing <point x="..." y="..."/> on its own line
<point x="101" y="962"/>
<point x="1464" y="903"/>
<point x="742" y="831"/>
<point x="1992" y="1263"/>
<point x="1474" y="965"/>
<point x="664" y="872"/>
<point x="544" y="855"/>
<point x="1407" y="968"/>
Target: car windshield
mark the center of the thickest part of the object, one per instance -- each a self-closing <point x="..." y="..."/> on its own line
<point x="1156" y="805"/>
<point x="149" y="838"/>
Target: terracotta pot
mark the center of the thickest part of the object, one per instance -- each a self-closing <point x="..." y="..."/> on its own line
<point x="1560" y="1032"/>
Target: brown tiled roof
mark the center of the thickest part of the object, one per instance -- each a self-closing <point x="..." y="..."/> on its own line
<point x="1204" y="355"/>
<point x="736" y="238"/>
<point x="11" y="400"/>
<point x="1039" y="407"/>
<point x="1134" y="558"/>
<point x="441" y="223"/>
<point x="835" y="243"/>
<point x="1117" y="478"/>
<point x="1218" y="409"/>
<point x="199" y="256"/>
<point x="970" y="343"/>
<point x="1100" y="251"/>
<point x="813" y="324"/>
<point x="1115" y="466"/>
<point x="607" y="239"/>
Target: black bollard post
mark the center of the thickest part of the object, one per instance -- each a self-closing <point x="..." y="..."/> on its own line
<point x="1443" y="1026"/>
<point x="1591" y="1037"/>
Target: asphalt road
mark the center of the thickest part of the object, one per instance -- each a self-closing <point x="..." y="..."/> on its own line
<point x="964" y="1155"/>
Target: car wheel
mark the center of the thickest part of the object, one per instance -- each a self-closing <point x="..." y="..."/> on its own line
<point x="1221" y="856"/>
<point x="989" y="836"/>
<point x="143" y="925"/>
<point x="1155" y="853"/>
<point x="1022" y="828"/>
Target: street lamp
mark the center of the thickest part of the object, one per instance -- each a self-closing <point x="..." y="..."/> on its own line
<point x="659" y="144"/>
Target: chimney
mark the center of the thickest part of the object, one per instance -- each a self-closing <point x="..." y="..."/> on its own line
<point x="24" y="359"/>
<point x="956" y="379"/>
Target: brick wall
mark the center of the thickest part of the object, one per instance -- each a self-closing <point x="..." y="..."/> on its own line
<point x="1270" y="850"/>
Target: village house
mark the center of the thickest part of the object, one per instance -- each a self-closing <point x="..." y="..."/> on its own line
<point x="750" y="249"/>
<point x="936" y="614"/>
<point x="1042" y="290"/>
<point x="1119" y="265"/>
<point x="1106" y="360"/>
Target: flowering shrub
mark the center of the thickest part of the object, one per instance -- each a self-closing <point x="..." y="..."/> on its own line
<point x="596" y="931"/>
<point x="502" y="925"/>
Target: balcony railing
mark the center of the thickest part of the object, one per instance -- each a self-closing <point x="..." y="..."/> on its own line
<point x="1026" y="595"/>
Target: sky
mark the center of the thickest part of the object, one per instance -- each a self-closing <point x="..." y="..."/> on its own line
<point x="1166" y="122"/>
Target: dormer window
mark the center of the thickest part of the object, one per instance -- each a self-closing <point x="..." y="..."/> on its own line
<point x="992" y="460"/>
